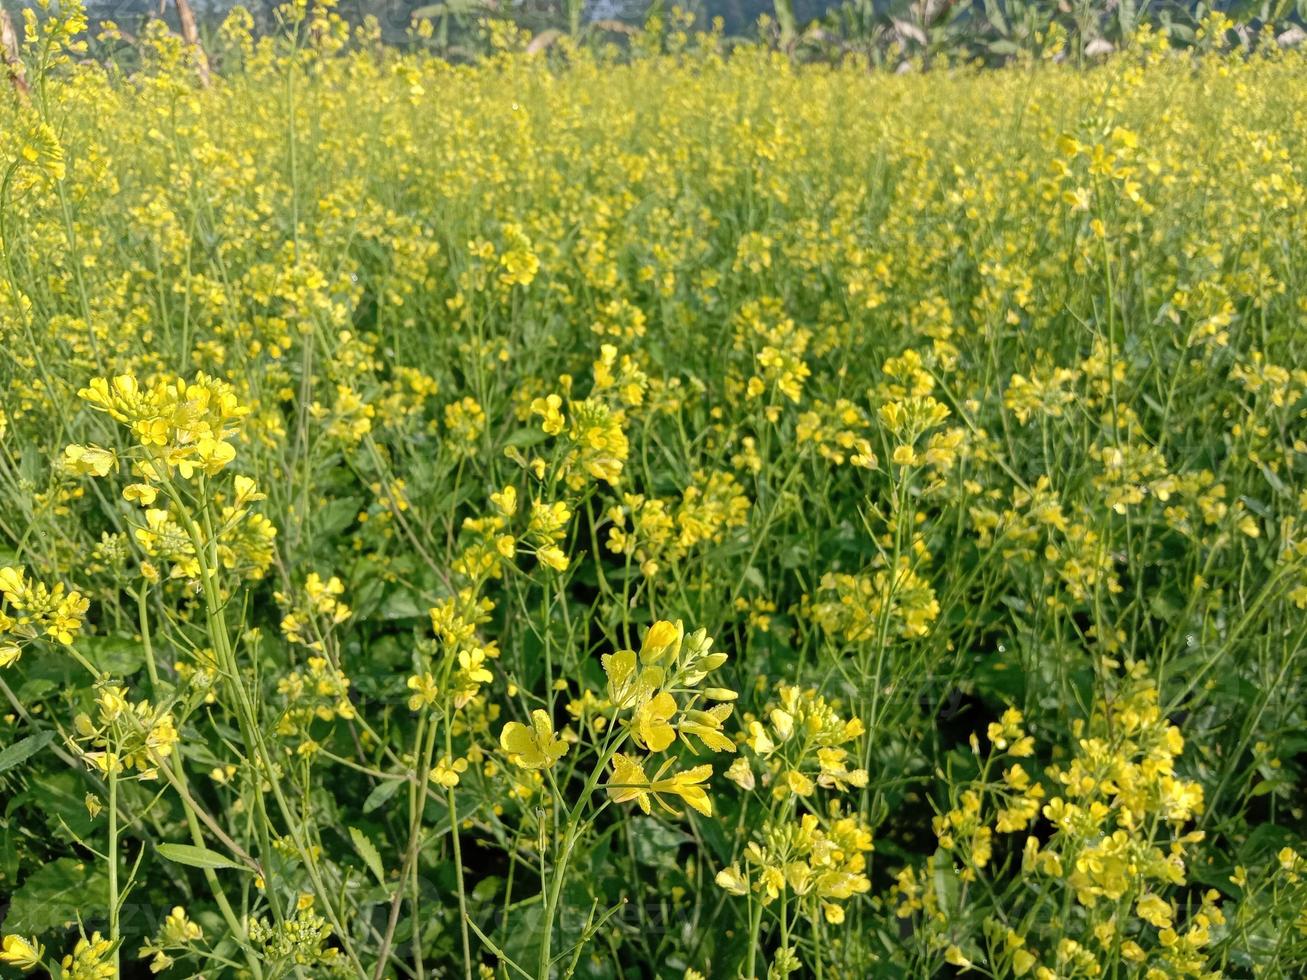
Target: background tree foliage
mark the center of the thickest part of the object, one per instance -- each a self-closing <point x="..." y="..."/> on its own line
<point x="888" y="33"/>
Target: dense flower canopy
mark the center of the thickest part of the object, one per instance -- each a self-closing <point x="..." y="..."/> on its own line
<point x="688" y="509"/>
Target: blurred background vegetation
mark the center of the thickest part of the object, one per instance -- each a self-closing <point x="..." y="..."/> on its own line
<point x="891" y="34"/>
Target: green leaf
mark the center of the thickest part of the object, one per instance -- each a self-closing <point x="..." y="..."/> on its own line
<point x="35" y="689"/>
<point x="521" y="438"/>
<point x="117" y="655"/>
<point x="401" y="605"/>
<point x="195" y="857"/>
<point x="485" y="890"/>
<point x="381" y="793"/>
<point x="945" y="880"/>
<point x="656" y="844"/>
<point x="24" y="750"/>
<point x="368" y="852"/>
<point x="715" y="836"/>
<point x="336" y="516"/>
<point x="53" y="896"/>
<point x="60" y="799"/>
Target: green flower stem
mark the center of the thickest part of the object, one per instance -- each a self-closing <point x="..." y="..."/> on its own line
<point x="205" y="545"/>
<point x="178" y="780"/>
<point x="560" y="866"/>
<point x="755" y="927"/>
<point x="112" y="851"/>
<point x="142" y="597"/>
<point x="458" y="862"/>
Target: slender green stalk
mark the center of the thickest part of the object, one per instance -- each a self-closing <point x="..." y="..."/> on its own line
<point x="455" y="832"/>
<point x="571" y="831"/>
<point x="111" y="851"/>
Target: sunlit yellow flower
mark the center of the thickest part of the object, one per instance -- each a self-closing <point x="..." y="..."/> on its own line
<point x="24" y="954"/>
<point x="662" y="642"/>
<point x="536" y="747"/>
<point x="651" y="725"/>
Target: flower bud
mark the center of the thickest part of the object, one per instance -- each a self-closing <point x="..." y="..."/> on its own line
<point x="662" y="642"/>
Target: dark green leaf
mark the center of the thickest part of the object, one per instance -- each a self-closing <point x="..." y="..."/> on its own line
<point x="195" y="857"/>
<point x="381" y="793"/>
<point x="54" y="896"/>
<point x="23" y="750"/>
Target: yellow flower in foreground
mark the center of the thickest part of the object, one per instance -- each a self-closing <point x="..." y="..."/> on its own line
<point x="554" y="557"/>
<point x="536" y="747"/>
<point x="140" y="493"/>
<point x="89" y="959"/>
<point x="662" y="642"/>
<point x="955" y="957"/>
<point x="651" y="725"/>
<point x="89" y="460"/>
<point x="25" y="954"/>
<point x="733" y="880"/>
<point x="425" y="691"/>
<point x="11" y="582"/>
<point x="629" y="686"/>
<point x="620" y="668"/>
<point x="1154" y="911"/>
<point x="707" y="727"/>
<point x="161" y="961"/>
<point x="113" y="702"/>
<point x="447" y="773"/>
<point x="179" y="930"/>
<point x="629" y="782"/>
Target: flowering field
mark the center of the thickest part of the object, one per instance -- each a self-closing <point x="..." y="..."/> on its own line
<point x="690" y="516"/>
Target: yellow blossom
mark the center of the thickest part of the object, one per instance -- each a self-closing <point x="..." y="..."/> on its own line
<point x="536" y="747"/>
